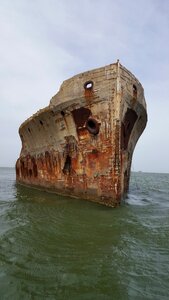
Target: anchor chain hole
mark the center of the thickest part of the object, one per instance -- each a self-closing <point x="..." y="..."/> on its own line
<point x="92" y="126"/>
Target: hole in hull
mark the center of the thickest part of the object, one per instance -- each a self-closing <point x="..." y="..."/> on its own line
<point x="88" y="85"/>
<point x="67" y="166"/>
<point x="92" y="126"/>
<point x="127" y="127"/>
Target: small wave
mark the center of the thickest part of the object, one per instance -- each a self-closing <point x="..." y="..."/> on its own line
<point x="138" y="200"/>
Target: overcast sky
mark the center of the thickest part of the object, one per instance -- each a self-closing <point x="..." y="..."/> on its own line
<point x="43" y="42"/>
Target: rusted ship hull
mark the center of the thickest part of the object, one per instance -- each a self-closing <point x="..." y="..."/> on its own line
<point x="82" y="144"/>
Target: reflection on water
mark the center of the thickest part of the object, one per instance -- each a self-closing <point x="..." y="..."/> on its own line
<point x="54" y="247"/>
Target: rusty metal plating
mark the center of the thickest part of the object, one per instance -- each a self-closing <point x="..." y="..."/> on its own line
<point x="82" y="143"/>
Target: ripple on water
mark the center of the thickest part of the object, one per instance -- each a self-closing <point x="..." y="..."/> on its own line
<point x="60" y="248"/>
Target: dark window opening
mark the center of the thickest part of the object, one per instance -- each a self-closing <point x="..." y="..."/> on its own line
<point x="62" y="113"/>
<point x="80" y="116"/>
<point x="29" y="129"/>
<point x="92" y="126"/>
<point x="88" y="85"/>
<point x="67" y="166"/>
<point x="134" y="91"/>
<point x="35" y="170"/>
<point x="30" y="172"/>
<point x="41" y="122"/>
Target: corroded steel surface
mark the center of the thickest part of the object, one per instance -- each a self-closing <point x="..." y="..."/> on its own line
<point x="82" y="143"/>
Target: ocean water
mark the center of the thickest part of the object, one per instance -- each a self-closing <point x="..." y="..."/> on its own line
<point x="54" y="247"/>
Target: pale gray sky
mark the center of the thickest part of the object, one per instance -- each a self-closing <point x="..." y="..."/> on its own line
<point x="43" y="42"/>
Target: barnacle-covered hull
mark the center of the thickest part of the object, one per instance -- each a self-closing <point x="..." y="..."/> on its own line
<point x="82" y="144"/>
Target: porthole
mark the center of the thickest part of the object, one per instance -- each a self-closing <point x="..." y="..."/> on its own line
<point x="88" y="85"/>
<point x="92" y="126"/>
<point x="62" y="113"/>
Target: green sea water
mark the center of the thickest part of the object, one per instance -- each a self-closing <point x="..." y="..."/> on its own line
<point x="54" y="247"/>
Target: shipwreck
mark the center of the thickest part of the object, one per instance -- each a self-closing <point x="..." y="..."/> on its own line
<point x="82" y="143"/>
